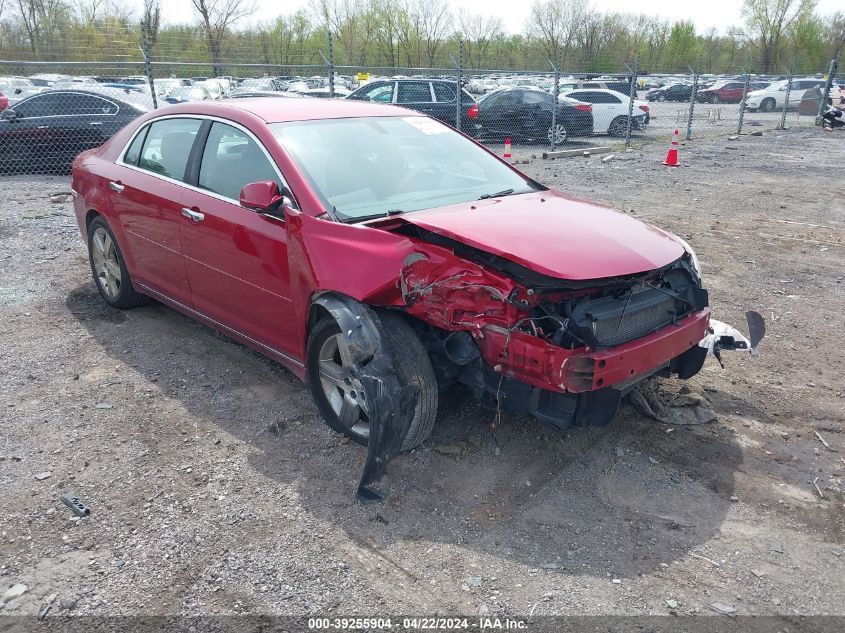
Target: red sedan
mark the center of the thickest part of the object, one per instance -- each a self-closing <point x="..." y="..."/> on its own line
<point x="379" y="255"/>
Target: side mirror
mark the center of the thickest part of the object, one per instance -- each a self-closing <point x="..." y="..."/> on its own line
<point x="9" y="115"/>
<point x="263" y="196"/>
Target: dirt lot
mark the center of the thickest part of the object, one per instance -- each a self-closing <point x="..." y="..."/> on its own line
<point x="215" y="488"/>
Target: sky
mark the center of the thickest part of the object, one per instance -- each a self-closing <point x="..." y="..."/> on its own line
<point x="720" y="14"/>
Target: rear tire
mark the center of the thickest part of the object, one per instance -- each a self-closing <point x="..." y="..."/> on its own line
<point x="108" y="268"/>
<point x="618" y="126"/>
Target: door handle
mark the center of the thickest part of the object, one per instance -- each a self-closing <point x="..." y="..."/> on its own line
<point x="116" y="186"/>
<point x="194" y="216"/>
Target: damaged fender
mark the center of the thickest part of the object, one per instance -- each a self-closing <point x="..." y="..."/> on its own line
<point x="391" y="406"/>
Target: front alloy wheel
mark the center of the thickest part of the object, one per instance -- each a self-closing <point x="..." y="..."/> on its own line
<point x="557" y="134"/>
<point x="344" y="392"/>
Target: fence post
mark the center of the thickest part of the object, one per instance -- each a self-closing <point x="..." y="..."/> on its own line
<point x="782" y="124"/>
<point x="692" y="102"/>
<point x="459" y="86"/>
<point x="553" y="136"/>
<point x="742" y="102"/>
<point x="330" y="66"/>
<point x="148" y="68"/>
<point x="831" y="71"/>
<point x="632" y="95"/>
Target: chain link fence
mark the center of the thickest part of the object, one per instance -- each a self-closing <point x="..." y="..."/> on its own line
<point x="54" y="109"/>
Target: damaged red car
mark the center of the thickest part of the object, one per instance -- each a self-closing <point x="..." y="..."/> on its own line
<point x="382" y="256"/>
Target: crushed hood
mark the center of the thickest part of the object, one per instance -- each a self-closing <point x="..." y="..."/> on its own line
<point x="554" y="235"/>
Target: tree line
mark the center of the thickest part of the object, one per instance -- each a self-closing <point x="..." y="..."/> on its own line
<point x="775" y="35"/>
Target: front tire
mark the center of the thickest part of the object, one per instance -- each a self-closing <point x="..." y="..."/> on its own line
<point x="109" y="269"/>
<point x="340" y="396"/>
<point x="768" y="105"/>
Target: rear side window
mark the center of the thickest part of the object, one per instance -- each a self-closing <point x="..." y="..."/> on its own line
<point x="533" y="97"/>
<point x="134" y="152"/>
<point x="232" y="159"/>
<point x="443" y="93"/>
<point x="414" y="92"/>
<point x="168" y="145"/>
<point x="40" y="105"/>
<point x="381" y="92"/>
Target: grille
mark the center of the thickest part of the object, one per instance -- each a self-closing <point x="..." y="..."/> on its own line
<point x="635" y="322"/>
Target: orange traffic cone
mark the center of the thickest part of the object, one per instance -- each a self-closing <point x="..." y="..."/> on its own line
<point x="671" y="159"/>
<point x="507" y="153"/>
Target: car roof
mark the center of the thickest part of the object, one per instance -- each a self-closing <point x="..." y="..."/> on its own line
<point x="286" y="110"/>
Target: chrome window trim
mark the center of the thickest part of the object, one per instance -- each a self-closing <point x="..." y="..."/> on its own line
<point x="73" y="92"/>
<point x="182" y="183"/>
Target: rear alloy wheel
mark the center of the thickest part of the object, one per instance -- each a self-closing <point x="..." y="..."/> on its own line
<point x="618" y="127"/>
<point x="108" y="268"/>
<point x="339" y="393"/>
<point x="557" y="134"/>
<point x="768" y="105"/>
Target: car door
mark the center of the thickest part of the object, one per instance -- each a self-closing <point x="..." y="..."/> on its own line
<point x="603" y="112"/>
<point x="535" y="113"/>
<point x="146" y="196"/>
<point x="444" y="96"/>
<point x="85" y="119"/>
<point x="237" y="258"/>
<point x="31" y="139"/>
<point x="498" y="113"/>
<point x="416" y="95"/>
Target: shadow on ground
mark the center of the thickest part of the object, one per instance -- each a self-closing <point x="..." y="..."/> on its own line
<point x="619" y="499"/>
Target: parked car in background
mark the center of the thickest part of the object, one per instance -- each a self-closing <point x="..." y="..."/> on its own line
<point x="727" y="91"/>
<point x="671" y="92"/>
<point x="523" y="114"/>
<point x="181" y="94"/>
<point x="435" y="98"/>
<point x="4" y="102"/>
<point x="244" y="93"/>
<point x="45" y="132"/>
<point x="324" y="93"/>
<point x="772" y="97"/>
<point x="610" y="110"/>
<point x="619" y="86"/>
<point x="17" y="88"/>
<point x="263" y="84"/>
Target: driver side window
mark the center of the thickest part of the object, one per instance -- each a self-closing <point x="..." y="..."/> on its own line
<point x="232" y="159"/>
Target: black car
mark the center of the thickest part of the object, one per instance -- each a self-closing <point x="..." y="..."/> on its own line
<point x="45" y="132"/>
<point x="526" y="114"/>
<point x="673" y="92"/>
<point x="434" y="97"/>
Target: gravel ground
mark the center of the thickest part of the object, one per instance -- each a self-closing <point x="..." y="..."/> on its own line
<point x="214" y="487"/>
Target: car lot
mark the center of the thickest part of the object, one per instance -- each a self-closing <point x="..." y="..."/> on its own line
<point x="215" y="488"/>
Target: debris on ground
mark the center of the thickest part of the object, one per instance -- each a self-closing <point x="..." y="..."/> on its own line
<point x="682" y="408"/>
<point x="15" y="591"/>
<point x="721" y="607"/>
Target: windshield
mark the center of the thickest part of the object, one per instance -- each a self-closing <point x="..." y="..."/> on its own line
<point x="374" y="166"/>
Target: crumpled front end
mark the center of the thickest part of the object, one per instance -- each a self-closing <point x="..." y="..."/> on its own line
<point x="565" y="352"/>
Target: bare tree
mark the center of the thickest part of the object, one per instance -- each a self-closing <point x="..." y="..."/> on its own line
<point x="435" y="23"/>
<point x="216" y="18"/>
<point x="151" y="21"/>
<point x="768" y="21"/>
<point x="555" y="23"/>
<point x="478" y="32"/>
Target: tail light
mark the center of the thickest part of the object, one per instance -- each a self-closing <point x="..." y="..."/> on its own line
<point x="472" y="113"/>
<point x="644" y="108"/>
<point x="584" y="107"/>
